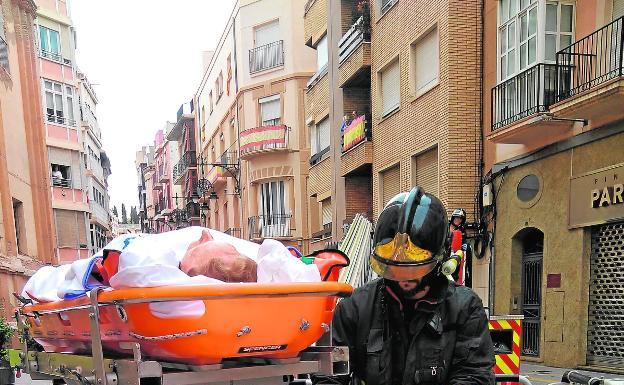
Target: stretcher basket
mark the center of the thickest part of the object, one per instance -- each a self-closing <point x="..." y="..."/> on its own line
<point x="275" y="321"/>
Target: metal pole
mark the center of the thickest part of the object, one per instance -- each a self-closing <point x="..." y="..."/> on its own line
<point x="96" y="340"/>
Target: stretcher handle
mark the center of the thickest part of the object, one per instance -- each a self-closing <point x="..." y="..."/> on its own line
<point x="574" y="377"/>
<point x="329" y="262"/>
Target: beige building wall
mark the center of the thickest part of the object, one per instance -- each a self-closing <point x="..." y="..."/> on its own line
<point x="238" y="110"/>
<point x="25" y="207"/>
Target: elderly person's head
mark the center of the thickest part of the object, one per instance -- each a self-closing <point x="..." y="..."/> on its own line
<point x="219" y="260"/>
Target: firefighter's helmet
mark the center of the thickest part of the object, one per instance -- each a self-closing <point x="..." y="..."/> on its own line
<point x="409" y="236"/>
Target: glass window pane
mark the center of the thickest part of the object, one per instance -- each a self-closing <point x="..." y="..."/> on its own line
<point x="70" y="109"/>
<point x="504" y="10"/>
<point x="513" y="8"/>
<point x="551" y="17"/>
<point x="57" y="87"/>
<point x="511" y="62"/>
<point x="532" y="21"/>
<point x="69" y="90"/>
<point x="48" y="85"/>
<point x="49" y="101"/>
<point x="524" y="4"/>
<point x="532" y="50"/>
<point x="511" y="35"/>
<point x="43" y="36"/>
<point x="566" y="18"/>
<point x="54" y="41"/>
<point x="523" y="56"/>
<point x="551" y="47"/>
<point x="564" y="41"/>
<point x="503" y="40"/>
<point x="503" y="67"/>
<point x="523" y="27"/>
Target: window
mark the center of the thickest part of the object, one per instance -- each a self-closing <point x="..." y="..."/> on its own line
<point x="274" y="220"/>
<point x="98" y="238"/>
<point x="20" y="226"/>
<point x="61" y="175"/>
<point x="517" y="36"/>
<point x="425" y="62"/>
<point x="326" y="213"/>
<point x="425" y="170"/>
<point x="49" y="43"/>
<point x="559" y="20"/>
<point x="320" y="137"/>
<point x="266" y="34"/>
<point x="4" y="48"/>
<point x="210" y="100"/>
<point x="390" y="88"/>
<point x="58" y="102"/>
<point x="385" y="5"/>
<point x="219" y="86"/>
<point x="270" y="114"/>
<point x="390" y="183"/>
<point x="321" y="53"/>
<point x="528" y="188"/>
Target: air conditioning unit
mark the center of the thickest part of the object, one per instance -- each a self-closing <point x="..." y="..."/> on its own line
<point x="487" y="197"/>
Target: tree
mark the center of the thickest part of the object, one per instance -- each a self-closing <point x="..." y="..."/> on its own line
<point x="124" y="214"/>
<point x="134" y="216"/>
<point x="115" y="212"/>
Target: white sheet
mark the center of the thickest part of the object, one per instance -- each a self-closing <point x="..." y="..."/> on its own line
<point x="149" y="260"/>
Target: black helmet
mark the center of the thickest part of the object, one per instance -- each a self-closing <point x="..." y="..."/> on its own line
<point x="409" y="236"/>
<point x="459" y="213"/>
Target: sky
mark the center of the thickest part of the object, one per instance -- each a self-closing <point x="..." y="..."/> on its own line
<point x="144" y="59"/>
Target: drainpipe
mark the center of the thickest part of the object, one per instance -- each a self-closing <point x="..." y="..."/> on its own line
<point x="238" y="130"/>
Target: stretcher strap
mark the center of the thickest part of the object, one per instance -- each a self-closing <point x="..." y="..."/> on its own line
<point x="165" y="337"/>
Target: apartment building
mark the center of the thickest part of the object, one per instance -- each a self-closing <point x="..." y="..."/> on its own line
<point x="96" y="164"/>
<point x="167" y="196"/>
<point x="64" y="137"/>
<point x="25" y="201"/>
<point x="554" y="128"/>
<point x="338" y="116"/>
<point x="185" y="170"/>
<point x="252" y="139"/>
<point x="144" y="163"/>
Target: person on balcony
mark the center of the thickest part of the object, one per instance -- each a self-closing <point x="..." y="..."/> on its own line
<point x="57" y="176"/>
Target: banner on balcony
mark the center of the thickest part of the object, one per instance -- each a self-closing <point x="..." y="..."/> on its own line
<point x="262" y="138"/>
<point x="354" y="133"/>
<point x="214" y="173"/>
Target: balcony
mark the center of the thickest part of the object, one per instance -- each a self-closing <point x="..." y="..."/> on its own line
<point x="314" y="21"/>
<point x="185" y="114"/>
<point x="270" y="226"/>
<point x="265" y="138"/>
<point x="216" y="176"/>
<point x="325" y="233"/>
<point x="163" y="175"/>
<point x="266" y="57"/>
<point x="188" y="161"/>
<point x="61" y="182"/>
<point x="520" y="108"/>
<point x="357" y="148"/>
<point x="591" y="77"/>
<point x="236" y="232"/>
<point x="354" y="56"/>
<point x="60" y="119"/>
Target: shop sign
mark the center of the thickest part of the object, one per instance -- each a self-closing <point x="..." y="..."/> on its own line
<point x="597" y="197"/>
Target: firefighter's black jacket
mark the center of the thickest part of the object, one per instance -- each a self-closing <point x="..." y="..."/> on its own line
<point x="443" y="339"/>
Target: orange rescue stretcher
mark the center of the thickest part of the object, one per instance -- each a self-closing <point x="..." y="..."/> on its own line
<point x="276" y="320"/>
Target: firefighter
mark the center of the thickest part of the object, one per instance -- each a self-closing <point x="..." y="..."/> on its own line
<point x="463" y="273"/>
<point x="413" y="325"/>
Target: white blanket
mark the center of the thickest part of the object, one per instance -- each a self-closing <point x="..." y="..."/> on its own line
<point x="149" y="260"/>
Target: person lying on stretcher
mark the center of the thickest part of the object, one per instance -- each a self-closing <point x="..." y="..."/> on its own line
<point x="193" y="255"/>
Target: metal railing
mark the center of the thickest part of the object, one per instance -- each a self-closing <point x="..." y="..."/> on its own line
<point x="235" y="232"/>
<point x="189" y="159"/>
<point x="61" y="182"/>
<point x="316" y="158"/>
<point x="271" y="122"/>
<point x="229" y="158"/>
<point x="51" y="55"/>
<point x="325" y="233"/>
<point x="249" y="143"/>
<point x="4" y="54"/>
<point x="362" y="134"/>
<point x="266" y="56"/>
<point x="270" y="226"/>
<point x="53" y="118"/>
<point x="352" y="39"/>
<point x="591" y="61"/>
<point x="530" y="92"/>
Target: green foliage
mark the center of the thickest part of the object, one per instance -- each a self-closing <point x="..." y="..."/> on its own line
<point x="6" y="332"/>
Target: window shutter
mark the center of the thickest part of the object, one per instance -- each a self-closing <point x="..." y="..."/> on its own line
<point x="427" y="60"/>
<point x="390" y="88"/>
<point x="314" y="139"/>
<point x="326" y="211"/>
<point x="324" y="134"/>
<point x="66" y="228"/>
<point x="426" y="173"/>
<point x="270" y="109"/>
<point x="321" y="53"/>
<point x="618" y="9"/>
<point x="267" y="34"/>
<point x="390" y="183"/>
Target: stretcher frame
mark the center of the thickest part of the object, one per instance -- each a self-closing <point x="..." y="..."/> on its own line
<point x="95" y="369"/>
